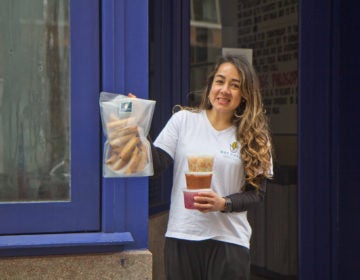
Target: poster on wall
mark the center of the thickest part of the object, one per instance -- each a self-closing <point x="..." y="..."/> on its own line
<point x="270" y="29"/>
<point x="248" y="53"/>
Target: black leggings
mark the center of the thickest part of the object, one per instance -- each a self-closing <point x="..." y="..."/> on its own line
<point x="205" y="260"/>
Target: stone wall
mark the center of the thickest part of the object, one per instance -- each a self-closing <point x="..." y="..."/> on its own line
<point x="157" y="228"/>
<point x="127" y="265"/>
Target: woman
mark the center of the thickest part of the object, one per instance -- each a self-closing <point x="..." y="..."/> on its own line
<point x="213" y="242"/>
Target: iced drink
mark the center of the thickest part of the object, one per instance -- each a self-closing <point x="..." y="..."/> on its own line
<point x="189" y="197"/>
<point x="198" y="180"/>
<point x="200" y="163"/>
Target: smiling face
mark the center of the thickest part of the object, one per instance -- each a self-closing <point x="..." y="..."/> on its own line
<point x="225" y="93"/>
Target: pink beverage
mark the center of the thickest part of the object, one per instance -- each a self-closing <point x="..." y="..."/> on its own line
<point x="200" y="163"/>
<point x="198" y="180"/>
<point x="189" y="197"/>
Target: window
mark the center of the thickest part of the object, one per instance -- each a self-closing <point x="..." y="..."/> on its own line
<point x="49" y="145"/>
<point x="205" y="42"/>
<point x="205" y="12"/>
<point x="35" y="117"/>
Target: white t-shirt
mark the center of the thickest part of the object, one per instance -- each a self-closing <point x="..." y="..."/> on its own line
<point x="190" y="133"/>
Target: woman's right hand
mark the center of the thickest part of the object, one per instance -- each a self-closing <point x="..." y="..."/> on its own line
<point x="209" y="202"/>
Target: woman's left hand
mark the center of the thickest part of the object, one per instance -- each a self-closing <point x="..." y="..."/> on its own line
<point x="209" y="202"/>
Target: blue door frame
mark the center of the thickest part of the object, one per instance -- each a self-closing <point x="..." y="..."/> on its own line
<point x="125" y="69"/>
<point x="169" y="77"/>
<point x="348" y="191"/>
<point x="329" y="129"/>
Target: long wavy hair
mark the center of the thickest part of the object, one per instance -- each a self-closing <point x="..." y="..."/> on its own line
<point x="249" y="118"/>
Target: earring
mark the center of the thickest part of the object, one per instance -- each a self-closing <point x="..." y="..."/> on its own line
<point x="240" y="110"/>
<point x="237" y="115"/>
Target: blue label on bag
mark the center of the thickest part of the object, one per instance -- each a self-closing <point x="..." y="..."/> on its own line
<point x="125" y="107"/>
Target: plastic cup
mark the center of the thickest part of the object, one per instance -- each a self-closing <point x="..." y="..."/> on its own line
<point x="189" y="197"/>
<point x="200" y="163"/>
<point x="198" y="180"/>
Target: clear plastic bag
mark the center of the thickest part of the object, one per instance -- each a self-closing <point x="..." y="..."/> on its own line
<point x="126" y="123"/>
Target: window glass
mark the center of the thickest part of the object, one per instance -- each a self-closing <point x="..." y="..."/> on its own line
<point x="34" y="100"/>
<point x="205" y="10"/>
<point x="205" y="43"/>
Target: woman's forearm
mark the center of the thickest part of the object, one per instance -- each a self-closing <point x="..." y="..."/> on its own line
<point x="161" y="160"/>
<point x="241" y="201"/>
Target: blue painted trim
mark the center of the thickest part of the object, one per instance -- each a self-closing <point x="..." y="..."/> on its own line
<point x="335" y="136"/>
<point x="125" y="69"/>
<point x="181" y="52"/>
<point x="315" y="185"/>
<point x="85" y="113"/>
<point x="63" y="243"/>
<point x="170" y="78"/>
<point x="64" y="240"/>
<point x="349" y="133"/>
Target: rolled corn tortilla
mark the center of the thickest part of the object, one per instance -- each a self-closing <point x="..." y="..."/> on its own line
<point x="116" y="123"/>
<point x="121" y="141"/>
<point x="133" y="163"/>
<point x="128" y="149"/>
<point x="112" y="158"/>
<point x="119" y="164"/>
<point x="122" y="132"/>
<point x="143" y="154"/>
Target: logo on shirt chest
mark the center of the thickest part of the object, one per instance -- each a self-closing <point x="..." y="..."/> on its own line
<point x="234" y="147"/>
<point x="233" y="151"/>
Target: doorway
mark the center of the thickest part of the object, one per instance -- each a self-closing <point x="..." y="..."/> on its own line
<point x="266" y="31"/>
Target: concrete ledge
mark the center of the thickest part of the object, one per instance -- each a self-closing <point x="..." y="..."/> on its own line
<point x="126" y="265"/>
